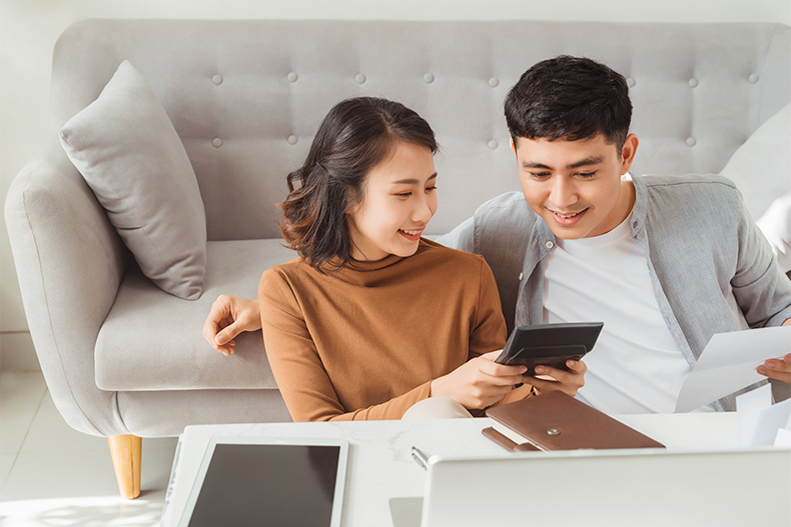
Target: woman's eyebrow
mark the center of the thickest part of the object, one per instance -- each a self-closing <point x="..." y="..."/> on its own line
<point x="411" y="181"/>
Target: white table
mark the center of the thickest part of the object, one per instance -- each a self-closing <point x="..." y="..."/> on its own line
<point x="380" y="463"/>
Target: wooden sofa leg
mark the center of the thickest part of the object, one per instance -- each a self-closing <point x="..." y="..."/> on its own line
<point x="126" y="451"/>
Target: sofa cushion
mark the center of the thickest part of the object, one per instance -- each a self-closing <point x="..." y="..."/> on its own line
<point x="152" y="340"/>
<point x="761" y="169"/>
<point x="128" y="152"/>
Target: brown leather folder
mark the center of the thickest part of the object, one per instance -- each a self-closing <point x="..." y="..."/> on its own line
<point x="556" y="421"/>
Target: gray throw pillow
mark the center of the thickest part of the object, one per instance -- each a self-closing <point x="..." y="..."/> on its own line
<point x="128" y="152"/>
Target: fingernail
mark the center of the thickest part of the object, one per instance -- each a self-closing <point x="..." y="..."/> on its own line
<point x="571" y="363"/>
<point x="539" y="369"/>
<point x="771" y="364"/>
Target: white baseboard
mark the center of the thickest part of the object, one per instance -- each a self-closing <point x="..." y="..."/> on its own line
<point x="17" y="352"/>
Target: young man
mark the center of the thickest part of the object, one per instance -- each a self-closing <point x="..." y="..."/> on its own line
<point x="665" y="262"/>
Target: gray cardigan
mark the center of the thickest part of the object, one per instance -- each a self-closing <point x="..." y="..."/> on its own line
<point x="711" y="268"/>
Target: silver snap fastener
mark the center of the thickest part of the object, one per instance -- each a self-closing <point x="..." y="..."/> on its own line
<point x="753" y="78"/>
<point x="631" y="82"/>
<point x="217" y="142"/>
<point x="493" y="144"/>
<point x="359" y="78"/>
<point x="550" y="245"/>
<point x="428" y="78"/>
<point x="494" y="82"/>
<point x="292" y="139"/>
<point x="217" y="80"/>
<point x="292" y="77"/>
<point x="691" y="141"/>
<point x="693" y="83"/>
<point x="521" y="276"/>
<point x="553" y="432"/>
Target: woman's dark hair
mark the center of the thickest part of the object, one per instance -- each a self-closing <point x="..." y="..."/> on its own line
<point x="572" y="98"/>
<point x="355" y="136"/>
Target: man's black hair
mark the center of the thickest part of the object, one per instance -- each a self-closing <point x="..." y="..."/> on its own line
<point x="571" y="98"/>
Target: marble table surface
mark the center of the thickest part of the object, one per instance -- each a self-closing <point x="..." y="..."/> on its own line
<point x="380" y="464"/>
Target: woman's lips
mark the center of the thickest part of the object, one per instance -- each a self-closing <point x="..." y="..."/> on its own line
<point x="411" y="235"/>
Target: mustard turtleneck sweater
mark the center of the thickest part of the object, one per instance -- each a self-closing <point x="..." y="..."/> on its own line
<point x="365" y="342"/>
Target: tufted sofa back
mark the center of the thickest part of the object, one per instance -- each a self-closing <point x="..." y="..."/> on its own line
<point x="246" y="97"/>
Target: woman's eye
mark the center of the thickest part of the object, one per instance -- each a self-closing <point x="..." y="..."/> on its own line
<point x="404" y="194"/>
<point x="431" y="189"/>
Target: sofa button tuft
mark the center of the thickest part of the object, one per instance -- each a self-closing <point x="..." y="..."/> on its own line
<point x="494" y="82"/>
<point x="693" y="83"/>
<point x="753" y="78"/>
<point x="217" y="142"/>
<point x="631" y="82"/>
<point x="292" y="139"/>
<point x="217" y="80"/>
<point x="292" y="77"/>
<point x="493" y="144"/>
<point x="428" y="78"/>
<point x="691" y="141"/>
<point x="359" y="78"/>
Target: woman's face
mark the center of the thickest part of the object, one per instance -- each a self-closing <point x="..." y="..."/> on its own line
<point x="399" y="199"/>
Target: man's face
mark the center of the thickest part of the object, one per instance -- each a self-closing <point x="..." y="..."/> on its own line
<point x="575" y="186"/>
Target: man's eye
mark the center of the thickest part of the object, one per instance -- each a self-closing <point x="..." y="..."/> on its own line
<point x="586" y="174"/>
<point x="539" y="175"/>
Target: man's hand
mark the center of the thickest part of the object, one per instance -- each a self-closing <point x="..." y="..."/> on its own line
<point x="551" y="379"/>
<point x="479" y="382"/>
<point x="229" y="316"/>
<point x="779" y="369"/>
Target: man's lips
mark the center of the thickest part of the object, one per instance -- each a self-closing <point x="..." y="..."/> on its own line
<point x="567" y="218"/>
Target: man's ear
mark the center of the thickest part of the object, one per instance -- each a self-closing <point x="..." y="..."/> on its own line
<point x="628" y="152"/>
<point x="513" y="147"/>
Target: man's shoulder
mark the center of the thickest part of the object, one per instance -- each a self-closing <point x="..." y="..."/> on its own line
<point x="690" y="184"/>
<point x="507" y="209"/>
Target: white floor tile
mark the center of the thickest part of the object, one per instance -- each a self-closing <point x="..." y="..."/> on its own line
<point x="81" y="512"/>
<point x="6" y="462"/>
<point x="20" y="396"/>
<point x="49" y="432"/>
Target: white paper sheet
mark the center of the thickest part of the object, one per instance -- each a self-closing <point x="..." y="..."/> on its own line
<point x="748" y="410"/>
<point x="728" y="364"/>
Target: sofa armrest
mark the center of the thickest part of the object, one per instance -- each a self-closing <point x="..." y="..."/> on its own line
<point x="70" y="262"/>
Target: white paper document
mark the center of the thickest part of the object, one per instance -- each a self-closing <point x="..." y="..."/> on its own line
<point x="728" y="364"/>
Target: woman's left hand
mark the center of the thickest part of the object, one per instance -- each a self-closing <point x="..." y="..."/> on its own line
<point x="551" y="379"/>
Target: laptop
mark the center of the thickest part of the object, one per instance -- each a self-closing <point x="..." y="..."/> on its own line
<point x="647" y="487"/>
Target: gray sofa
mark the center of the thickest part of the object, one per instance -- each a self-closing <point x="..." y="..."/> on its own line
<point x="121" y="356"/>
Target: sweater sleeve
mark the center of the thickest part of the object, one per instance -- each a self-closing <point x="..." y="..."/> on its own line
<point x="304" y="383"/>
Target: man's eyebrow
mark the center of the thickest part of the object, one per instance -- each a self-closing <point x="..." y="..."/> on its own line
<point x="412" y="181"/>
<point x="582" y="163"/>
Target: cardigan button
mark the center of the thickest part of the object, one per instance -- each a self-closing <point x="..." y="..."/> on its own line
<point x="550" y="245"/>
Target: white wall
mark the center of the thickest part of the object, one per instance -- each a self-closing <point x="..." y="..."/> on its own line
<point x="29" y="28"/>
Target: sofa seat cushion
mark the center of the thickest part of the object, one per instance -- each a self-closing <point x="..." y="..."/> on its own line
<point x="152" y="340"/>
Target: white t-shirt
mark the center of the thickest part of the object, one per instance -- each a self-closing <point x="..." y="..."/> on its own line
<point x="636" y="365"/>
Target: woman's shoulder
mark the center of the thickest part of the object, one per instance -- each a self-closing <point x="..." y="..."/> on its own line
<point x="437" y="251"/>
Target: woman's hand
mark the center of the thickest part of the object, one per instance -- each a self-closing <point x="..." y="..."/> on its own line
<point x="229" y="316"/>
<point x="550" y="379"/>
<point x="479" y="382"/>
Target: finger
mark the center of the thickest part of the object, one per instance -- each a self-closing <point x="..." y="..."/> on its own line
<point x="779" y="365"/>
<point x="546" y="386"/>
<point x="228" y="333"/>
<point x="774" y="374"/>
<point x="491" y="355"/>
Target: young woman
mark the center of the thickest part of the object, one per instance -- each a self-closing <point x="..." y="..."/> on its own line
<point x="371" y="318"/>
